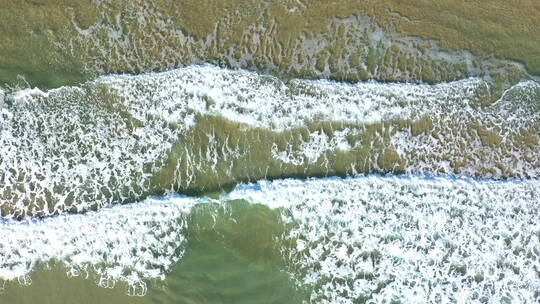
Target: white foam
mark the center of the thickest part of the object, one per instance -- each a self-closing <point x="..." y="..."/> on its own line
<point x="128" y="243"/>
<point x="102" y="142"/>
<point x="310" y="151"/>
<point x="410" y="238"/>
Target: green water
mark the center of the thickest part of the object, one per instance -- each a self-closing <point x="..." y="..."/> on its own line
<point x="402" y="239"/>
<point x="92" y="142"/>
<point x="231" y="257"/>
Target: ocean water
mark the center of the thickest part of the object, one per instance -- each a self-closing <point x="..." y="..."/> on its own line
<point x="291" y="151"/>
<point x="211" y="185"/>
<point x="203" y="128"/>
<point x="369" y="238"/>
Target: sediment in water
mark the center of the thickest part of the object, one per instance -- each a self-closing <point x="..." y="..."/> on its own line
<point x="122" y="138"/>
<point x="50" y="44"/>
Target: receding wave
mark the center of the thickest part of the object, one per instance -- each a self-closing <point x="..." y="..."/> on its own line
<point x="124" y="138"/>
<point x="393" y="238"/>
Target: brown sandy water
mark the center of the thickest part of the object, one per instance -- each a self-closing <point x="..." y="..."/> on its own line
<point x="203" y="128"/>
<point x="52" y="43"/>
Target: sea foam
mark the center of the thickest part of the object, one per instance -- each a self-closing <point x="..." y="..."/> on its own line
<point x="409" y="239"/>
<point x="372" y="238"/>
<point x="126" y="243"/>
<point x="122" y="138"/>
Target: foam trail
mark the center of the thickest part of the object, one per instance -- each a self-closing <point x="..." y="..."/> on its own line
<point x="368" y="238"/>
<point x="123" y="138"/>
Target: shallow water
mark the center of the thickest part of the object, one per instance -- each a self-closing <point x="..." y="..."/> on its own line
<point x="332" y="240"/>
<point x="174" y="187"/>
<point x="222" y="262"/>
<point x="48" y="43"/>
<point x="269" y="152"/>
<point x="202" y="128"/>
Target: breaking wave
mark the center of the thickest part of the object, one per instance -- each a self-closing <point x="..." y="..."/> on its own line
<point x="123" y="138"/>
<point x="364" y="238"/>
